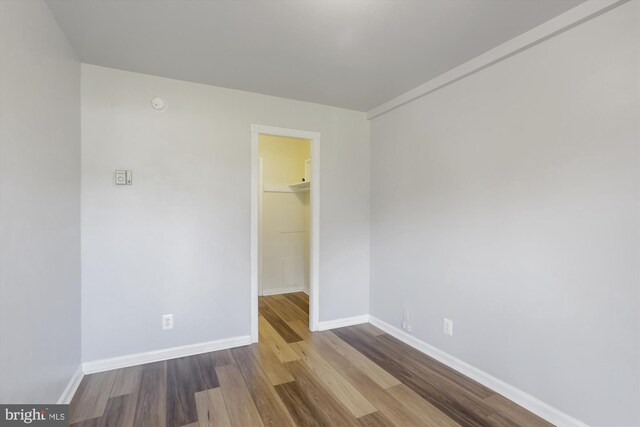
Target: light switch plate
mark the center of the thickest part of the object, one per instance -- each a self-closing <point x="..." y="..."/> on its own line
<point x="123" y="177"/>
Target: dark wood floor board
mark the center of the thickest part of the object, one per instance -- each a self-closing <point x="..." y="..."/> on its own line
<point x="370" y="329"/>
<point x="272" y="410"/>
<point x="206" y="372"/>
<point x="127" y="381"/>
<point x="424" y="362"/>
<point x="414" y="360"/>
<point x="93" y="422"/>
<point x="152" y="396"/>
<point x="184" y="379"/>
<point x="329" y="410"/>
<point x="515" y="414"/>
<point x="301" y="328"/>
<point x="498" y="420"/>
<point x="297" y="300"/>
<point x="221" y="358"/>
<point x="449" y="399"/>
<point x="304" y="412"/>
<point x="120" y="412"/>
<point x="285" y="331"/>
<point x="461" y="408"/>
<point x="285" y="308"/>
<point x="353" y="376"/>
<point x="375" y="420"/>
<point x="430" y="368"/>
<point x="79" y="396"/>
<point x="456" y="402"/>
<point x="92" y="401"/>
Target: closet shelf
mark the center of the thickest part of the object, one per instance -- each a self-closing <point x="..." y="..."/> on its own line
<point x="300" y="186"/>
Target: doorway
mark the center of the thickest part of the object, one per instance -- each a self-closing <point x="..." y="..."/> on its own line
<point x="284" y="184"/>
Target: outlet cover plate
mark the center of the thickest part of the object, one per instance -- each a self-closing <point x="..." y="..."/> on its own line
<point x="167" y="321"/>
<point x="448" y="327"/>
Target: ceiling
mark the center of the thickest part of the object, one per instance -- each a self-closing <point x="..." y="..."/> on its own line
<point x="354" y="54"/>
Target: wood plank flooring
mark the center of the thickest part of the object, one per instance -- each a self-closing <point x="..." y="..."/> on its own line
<point x="354" y="376"/>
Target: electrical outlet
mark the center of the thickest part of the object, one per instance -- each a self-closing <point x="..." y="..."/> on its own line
<point x="167" y="321"/>
<point x="448" y="327"/>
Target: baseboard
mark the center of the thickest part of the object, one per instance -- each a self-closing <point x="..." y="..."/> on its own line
<point x="164" y="354"/>
<point x="72" y="386"/>
<point x="523" y="399"/>
<point x="341" y="323"/>
<point x="278" y="291"/>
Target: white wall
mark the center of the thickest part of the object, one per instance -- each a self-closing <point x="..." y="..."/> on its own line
<point x="508" y="202"/>
<point x="39" y="205"/>
<point x="284" y="242"/>
<point x="177" y="240"/>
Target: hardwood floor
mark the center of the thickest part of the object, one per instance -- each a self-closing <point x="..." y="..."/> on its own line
<point x="353" y="376"/>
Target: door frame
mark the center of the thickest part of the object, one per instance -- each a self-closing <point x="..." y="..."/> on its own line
<point x="314" y="250"/>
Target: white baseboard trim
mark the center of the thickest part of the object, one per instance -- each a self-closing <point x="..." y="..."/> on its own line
<point x="72" y="386"/>
<point x="523" y="399"/>
<point x="164" y="354"/>
<point x="278" y="291"/>
<point x="341" y="323"/>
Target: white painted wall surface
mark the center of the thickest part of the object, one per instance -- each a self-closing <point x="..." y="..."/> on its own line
<point x="284" y="242"/>
<point x="509" y="202"/>
<point x="39" y="205"/>
<point x="177" y="240"/>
